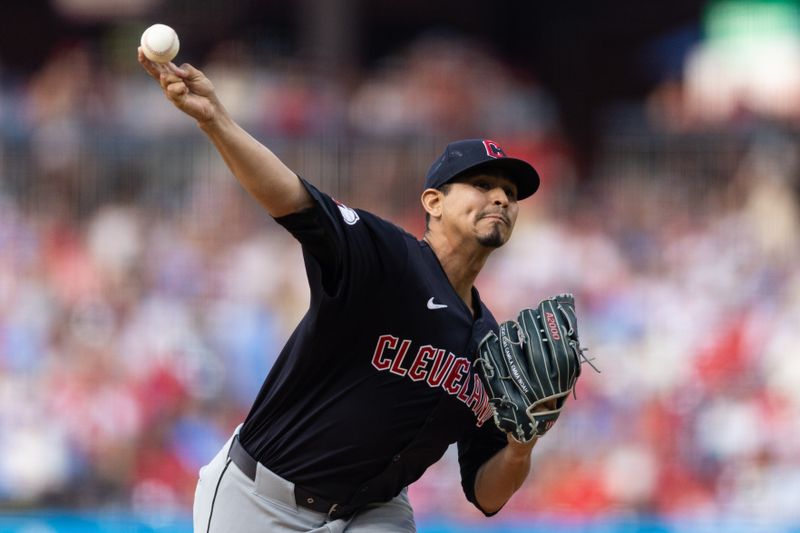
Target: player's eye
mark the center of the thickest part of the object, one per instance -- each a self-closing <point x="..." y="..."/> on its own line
<point x="482" y="185"/>
<point x="510" y="193"/>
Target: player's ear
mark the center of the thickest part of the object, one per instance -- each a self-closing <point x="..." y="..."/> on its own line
<point x="432" y="202"/>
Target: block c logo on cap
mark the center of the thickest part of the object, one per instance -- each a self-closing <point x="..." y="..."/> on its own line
<point x="493" y="149"/>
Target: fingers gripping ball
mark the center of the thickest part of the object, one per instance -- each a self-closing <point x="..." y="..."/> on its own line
<point x="530" y="369"/>
<point x="160" y="43"/>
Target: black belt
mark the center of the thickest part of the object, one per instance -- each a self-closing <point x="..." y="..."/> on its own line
<point x="248" y="465"/>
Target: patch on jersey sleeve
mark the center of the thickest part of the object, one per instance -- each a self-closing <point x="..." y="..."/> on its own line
<point x="349" y="216"/>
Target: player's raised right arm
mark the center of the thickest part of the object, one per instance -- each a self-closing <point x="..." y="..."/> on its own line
<point x="260" y="172"/>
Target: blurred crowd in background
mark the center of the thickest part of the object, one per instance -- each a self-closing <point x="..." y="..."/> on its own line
<point x="144" y="296"/>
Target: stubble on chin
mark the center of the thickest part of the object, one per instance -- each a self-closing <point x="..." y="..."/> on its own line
<point x="493" y="239"/>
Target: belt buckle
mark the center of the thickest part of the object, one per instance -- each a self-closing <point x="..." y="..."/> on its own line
<point x="332" y="510"/>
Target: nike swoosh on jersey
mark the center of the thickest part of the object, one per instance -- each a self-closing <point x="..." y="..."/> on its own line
<point x="432" y="305"/>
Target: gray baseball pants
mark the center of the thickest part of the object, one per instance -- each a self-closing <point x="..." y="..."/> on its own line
<point x="228" y="501"/>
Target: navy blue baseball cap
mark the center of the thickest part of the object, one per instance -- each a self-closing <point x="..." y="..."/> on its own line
<point x="476" y="155"/>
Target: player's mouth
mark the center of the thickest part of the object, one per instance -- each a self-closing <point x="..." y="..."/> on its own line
<point x="497" y="216"/>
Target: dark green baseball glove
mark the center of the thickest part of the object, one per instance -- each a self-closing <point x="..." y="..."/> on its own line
<point x="530" y="370"/>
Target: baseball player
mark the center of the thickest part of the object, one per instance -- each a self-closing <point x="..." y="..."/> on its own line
<point x="377" y="379"/>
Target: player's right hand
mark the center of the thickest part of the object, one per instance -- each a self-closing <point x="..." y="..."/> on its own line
<point x="186" y="87"/>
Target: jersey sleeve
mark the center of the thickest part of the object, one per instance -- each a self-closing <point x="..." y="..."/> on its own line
<point x="345" y="248"/>
<point x="476" y="447"/>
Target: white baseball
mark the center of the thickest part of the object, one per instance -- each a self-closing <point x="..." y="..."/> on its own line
<point x="160" y="43"/>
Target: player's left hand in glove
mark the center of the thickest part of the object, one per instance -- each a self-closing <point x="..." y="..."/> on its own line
<point x="532" y="367"/>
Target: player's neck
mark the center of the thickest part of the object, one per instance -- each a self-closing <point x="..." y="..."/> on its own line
<point x="461" y="263"/>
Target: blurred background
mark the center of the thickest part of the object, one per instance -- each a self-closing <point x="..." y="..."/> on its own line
<point x="143" y="295"/>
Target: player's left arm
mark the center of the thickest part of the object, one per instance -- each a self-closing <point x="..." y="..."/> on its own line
<point x="502" y="475"/>
<point x="528" y="372"/>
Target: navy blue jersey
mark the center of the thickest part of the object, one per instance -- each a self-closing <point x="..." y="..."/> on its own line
<point x="376" y="381"/>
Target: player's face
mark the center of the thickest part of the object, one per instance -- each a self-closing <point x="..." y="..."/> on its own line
<point x="483" y="205"/>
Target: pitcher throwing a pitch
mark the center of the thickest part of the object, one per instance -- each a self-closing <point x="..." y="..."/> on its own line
<point x="396" y="357"/>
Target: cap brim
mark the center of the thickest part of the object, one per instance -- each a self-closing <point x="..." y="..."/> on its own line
<point x="520" y="172"/>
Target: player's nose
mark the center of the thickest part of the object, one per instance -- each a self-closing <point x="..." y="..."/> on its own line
<point x="499" y="197"/>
